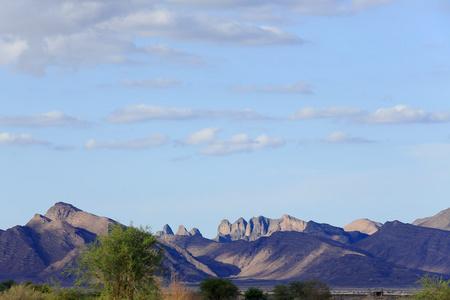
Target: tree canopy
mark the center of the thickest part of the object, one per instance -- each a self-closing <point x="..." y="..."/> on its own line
<point x="123" y="262"/>
<point x="218" y="289"/>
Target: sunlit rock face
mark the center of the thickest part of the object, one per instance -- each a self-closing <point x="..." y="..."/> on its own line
<point x="261" y="226"/>
<point x="363" y="225"/>
<point x="439" y="221"/>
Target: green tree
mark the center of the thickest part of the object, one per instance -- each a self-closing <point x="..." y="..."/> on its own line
<point x="218" y="289"/>
<point x="6" y="285"/>
<point x="282" y="292"/>
<point x="312" y="289"/>
<point x="433" y="288"/>
<point x="254" y="293"/>
<point x="123" y="262"/>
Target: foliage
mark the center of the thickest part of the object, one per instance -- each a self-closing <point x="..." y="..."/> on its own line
<point x="20" y="292"/>
<point x="254" y="293"/>
<point x="218" y="289"/>
<point x="312" y="289"/>
<point x="6" y="285"/>
<point x="123" y="262"/>
<point x="282" y="292"/>
<point x="433" y="288"/>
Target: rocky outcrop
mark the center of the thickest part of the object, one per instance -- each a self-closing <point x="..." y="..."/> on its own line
<point x="166" y="230"/>
<point x="78" y="218"/>
<point x="439" y="221"/>
<point x="363" y="225"/>
<point x="181" y="231"/>
<point x="261" y="226"/>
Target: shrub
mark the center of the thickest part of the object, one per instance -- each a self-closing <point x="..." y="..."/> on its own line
<point x="312" y="289"/>
<point x="218" y="289"/>
<point x="433" y="288"/>
<point x="254" y="293"/>
<point x="21" y="292"/>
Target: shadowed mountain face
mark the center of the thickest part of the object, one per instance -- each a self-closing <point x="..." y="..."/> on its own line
<point x="262" y="249"/>
<point x="410" y="246"/>
<point x="439" y="221"/>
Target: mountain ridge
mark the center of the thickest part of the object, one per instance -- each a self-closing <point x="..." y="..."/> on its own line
<point x="262" y="249"/>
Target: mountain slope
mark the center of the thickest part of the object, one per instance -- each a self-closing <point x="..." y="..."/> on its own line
<point x="410" y="246"/>
<point x="439" y="221"/>
<point x="288" y="256"/>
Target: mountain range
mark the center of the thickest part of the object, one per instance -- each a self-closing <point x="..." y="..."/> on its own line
<point x="261" y="251"/>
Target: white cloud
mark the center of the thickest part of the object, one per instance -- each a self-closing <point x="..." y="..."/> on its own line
<point x="73" y="34"/>
<point x="144" y="112"/>
<point x="197" y="26"/>
<point x="167" y="53"/>
<point x="204" y="136"/>
<point x="297" y="88"/>
<point x="153" y="140"/>
<point x="48" y="119"/>
<point x="152" y="83"/>
<point x="24" y="139"/>
<point x="241" y="143"/>
<point x="331" y="112"/>
<point x="343" y="137"/>
<point x="10" y="49"/>
<point x="405" y="114"/>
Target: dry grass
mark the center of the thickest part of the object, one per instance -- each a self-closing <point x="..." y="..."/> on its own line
<point x="177" y="290"/>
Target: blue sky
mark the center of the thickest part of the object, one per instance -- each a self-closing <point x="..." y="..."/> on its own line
<point x="190" y="112"/>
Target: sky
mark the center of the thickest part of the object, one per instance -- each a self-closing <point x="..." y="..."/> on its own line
<point x="187" y="112"/>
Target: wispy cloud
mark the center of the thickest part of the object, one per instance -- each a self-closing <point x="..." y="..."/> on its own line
<point x="204" y="136"/>
<point x="144" y="112"/>
<point x="339" y="137"/>
<point x="152" y="83"/>
<point x="48" y="119"/>
<point x="24" y="140"/>
<point x="167" y="53"/>
<point x="404" y="114"/>
<point x="299" y="87"/>
<point x="242" y="143"/>
<point x="296" y="88"/>
<point x="153" y="140"/>
<point x="330" y="112"/>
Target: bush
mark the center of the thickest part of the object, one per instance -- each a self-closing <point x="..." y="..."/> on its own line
<point x="6" y="285"/>
<point x="176" y="290"/>
<point x="123" y="263"/>
<point x="254" y="293"/>
<point x="312" y="289"/>
<point x="218" y="289"/>
<point x="21" y="292"/>
<point x="433" y="288"/>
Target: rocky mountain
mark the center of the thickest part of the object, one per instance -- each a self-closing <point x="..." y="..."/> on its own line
<point x="410" y="246"/>
<point x="439" y="221"/>
<point x="46" y="244"/>
<point x="181" y="231"/>
<point x="261" y="226"/>
<point x="260" y="250"/>
<point x="364" y="226"/>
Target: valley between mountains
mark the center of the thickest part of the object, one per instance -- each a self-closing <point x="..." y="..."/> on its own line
<point x="259" y="251"/>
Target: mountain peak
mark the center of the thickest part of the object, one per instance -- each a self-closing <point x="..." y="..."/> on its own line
<point x="440" y="221"/>
<point x="61" y="211"/>
<point x="363" y="225"/>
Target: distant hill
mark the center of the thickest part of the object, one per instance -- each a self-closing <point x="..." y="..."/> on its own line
<point x="439" y="221"/>
<point x="260" y="250"/>
<point x="364" y="226"/>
